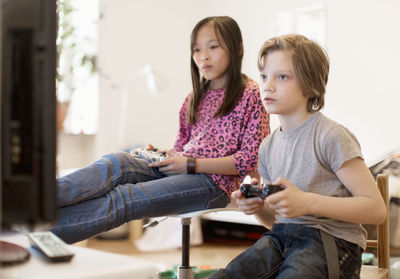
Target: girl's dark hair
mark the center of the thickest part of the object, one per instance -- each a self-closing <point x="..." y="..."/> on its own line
<point x="230" y="37"/>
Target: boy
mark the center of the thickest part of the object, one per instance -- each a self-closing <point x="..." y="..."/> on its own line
<point x="328" y="189"/>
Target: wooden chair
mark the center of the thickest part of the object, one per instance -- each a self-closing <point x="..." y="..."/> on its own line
<point x="382" y="243"/>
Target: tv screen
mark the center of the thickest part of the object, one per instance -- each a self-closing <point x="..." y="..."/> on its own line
<point x="28" y="112"/>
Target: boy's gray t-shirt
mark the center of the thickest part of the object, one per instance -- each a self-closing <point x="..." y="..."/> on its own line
<point x="309" y="156"/>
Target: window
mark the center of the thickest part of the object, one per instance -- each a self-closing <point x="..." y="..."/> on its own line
<point x="77" y="79"/>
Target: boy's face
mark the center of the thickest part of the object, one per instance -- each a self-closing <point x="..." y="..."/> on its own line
<point x="280" y="91"/>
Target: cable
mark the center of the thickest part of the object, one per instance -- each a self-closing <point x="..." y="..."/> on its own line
<point x="154" y="223"/>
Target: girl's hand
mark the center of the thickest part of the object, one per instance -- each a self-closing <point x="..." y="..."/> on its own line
<point x="291" y="202"/>
<point x="174" y="164"/>
<point x="249" y="206"/>
<point x="150" y="147"/>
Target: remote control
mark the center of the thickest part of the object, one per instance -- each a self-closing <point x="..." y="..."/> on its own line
<point x="151" y="155"/>
<point x="249" y="191"/>
<point x="52" y="247"/>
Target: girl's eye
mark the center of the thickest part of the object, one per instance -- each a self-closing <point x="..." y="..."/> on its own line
<point x="196" y="50"/>
<point x="282" y="77"/>
<point x="263" y="77"/>
<point x="214" y="47"/>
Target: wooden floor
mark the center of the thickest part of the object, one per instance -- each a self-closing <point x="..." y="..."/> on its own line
<point x="214" y="255"/>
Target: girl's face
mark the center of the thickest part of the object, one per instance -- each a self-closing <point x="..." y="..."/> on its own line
<point x="211" y="57"/>
<point x="280" y="91"/>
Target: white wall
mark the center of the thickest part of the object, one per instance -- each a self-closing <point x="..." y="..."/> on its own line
<point x="135" y="33"/>
<point x="75" y="151"/>
<point x="362" y="40"/>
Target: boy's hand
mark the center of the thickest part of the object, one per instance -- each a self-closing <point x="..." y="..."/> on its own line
<point x="291" y="202"/>
<point x="249" y="206"/>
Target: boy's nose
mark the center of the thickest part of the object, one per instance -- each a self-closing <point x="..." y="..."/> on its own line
<point x="268" y="86"/>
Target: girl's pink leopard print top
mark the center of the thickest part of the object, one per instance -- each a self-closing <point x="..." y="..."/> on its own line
<point x="238" y="134"/>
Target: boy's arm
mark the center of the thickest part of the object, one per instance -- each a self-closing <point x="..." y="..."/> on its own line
<point x="366" y="206"/>
<point x="266" y="216"/>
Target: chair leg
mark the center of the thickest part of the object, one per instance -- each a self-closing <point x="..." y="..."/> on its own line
<point x="185" y="270"/>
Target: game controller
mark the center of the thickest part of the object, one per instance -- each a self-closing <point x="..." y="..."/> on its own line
<point x="151" y="155"/>
<point x="264" y="190"/>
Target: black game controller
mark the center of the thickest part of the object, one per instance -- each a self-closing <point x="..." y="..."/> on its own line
<point x="262" y="191"/>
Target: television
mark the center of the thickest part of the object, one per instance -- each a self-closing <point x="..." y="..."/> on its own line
<point x="28" y="114"/>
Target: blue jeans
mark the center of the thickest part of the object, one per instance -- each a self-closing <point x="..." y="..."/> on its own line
<point x="119" y="188"/>
<point x="291" y="251"/>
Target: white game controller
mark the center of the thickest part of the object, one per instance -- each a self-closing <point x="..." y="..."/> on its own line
<point x="151" y="155"/>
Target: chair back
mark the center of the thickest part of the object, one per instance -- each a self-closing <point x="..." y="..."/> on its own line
<point x="382" y="243"/>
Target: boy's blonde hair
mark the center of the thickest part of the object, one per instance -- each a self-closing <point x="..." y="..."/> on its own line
<point x="310" y="64"/>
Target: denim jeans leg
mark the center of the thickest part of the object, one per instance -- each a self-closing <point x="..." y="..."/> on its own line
<point x="304" y="253"/>
<point x="100" y="177"/>
<point x="291" y="251"/>
<point x="305" y="256"/>
<point x="122" y="190"/>
<point x="262" y="260"/>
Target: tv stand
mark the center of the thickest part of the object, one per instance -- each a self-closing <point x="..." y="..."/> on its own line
<point x="86" y="264"/>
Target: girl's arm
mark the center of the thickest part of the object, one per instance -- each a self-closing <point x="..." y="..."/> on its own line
<point x="184" y="129"/>
<point x="256" y="128"/>
<point x="224" y="165"/>
<point x="177" y="164"/>
<point x="366" y="206"/>
<point x="245" y="159"/>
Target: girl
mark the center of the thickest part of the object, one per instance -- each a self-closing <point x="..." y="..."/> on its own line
<point x="222" y="123"/>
